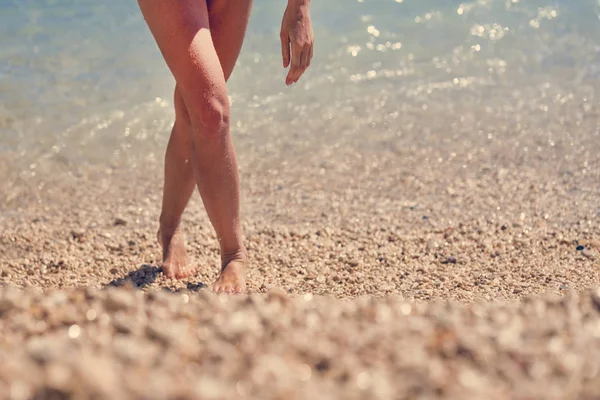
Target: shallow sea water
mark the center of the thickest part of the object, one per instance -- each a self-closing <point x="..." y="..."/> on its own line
<point x="408" y="85"/>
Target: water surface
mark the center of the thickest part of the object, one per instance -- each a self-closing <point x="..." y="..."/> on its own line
<point x="441" y="83"/>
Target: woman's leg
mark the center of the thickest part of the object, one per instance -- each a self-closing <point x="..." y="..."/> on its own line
<point x="179" y="180"/>
<point x="179" y="184"/>
<point x="181" y="30"/>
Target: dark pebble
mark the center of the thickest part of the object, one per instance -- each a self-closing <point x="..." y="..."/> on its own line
<point x="78" y="233"/>
<point x="580" y="248"/>
<point x="450" y="260"/>
<point x="596" y="299"/>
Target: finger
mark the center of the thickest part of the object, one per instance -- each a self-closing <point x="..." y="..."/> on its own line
<point x="304" y="63"/>
<point x="291" y="76"/>
<point x="309" y="55"/>
<point x="304" y="58"/>
<point x="294" y="71"/>
<point x="285" y="49"/>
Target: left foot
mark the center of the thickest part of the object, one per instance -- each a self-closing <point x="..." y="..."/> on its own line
<point x="232" y="279"/>
<point x="175" y="261"/>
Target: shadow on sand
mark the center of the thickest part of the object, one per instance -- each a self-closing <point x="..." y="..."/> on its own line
<point x="146" y="275"/>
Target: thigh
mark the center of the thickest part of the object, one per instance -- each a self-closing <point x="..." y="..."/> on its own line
<point x="228" y="21"/>
<point x="182" y="32"/>
<point x="190" y="33"/>
<point x="200" y="41"/>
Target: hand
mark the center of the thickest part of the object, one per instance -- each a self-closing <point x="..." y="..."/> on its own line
<point x="297" y="33"/>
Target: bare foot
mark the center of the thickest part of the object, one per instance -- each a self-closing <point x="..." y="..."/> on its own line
<point x="175" y="261"/>
<point x="232" y="278"/>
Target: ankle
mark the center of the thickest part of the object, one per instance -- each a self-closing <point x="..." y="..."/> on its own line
<point x="168" y="225"/>
<point x="238" y="254"/>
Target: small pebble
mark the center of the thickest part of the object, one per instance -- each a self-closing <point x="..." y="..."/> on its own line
<point x="432" y="244"/>
<point x="587" y="253"/>
<point x="90" y="315"/>
<point x="74" y="331"/>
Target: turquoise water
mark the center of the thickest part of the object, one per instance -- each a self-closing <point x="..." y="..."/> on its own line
<point x="82" y="82"/>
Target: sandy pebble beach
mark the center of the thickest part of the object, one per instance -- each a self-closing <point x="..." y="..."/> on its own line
<point x="390" y="305"/>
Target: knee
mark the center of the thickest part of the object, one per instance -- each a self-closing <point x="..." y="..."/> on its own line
<point x="211" y="117"/>
<point x="181" y="113"/>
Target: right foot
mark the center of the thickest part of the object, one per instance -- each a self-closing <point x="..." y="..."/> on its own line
<point x="175" y="261"/>
<point x="232" y="279"/>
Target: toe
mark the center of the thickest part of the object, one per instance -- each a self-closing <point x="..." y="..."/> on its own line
<point x="218" y="288"/>
<point x="183" y="273"/>
<point x="221" y="288"/>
